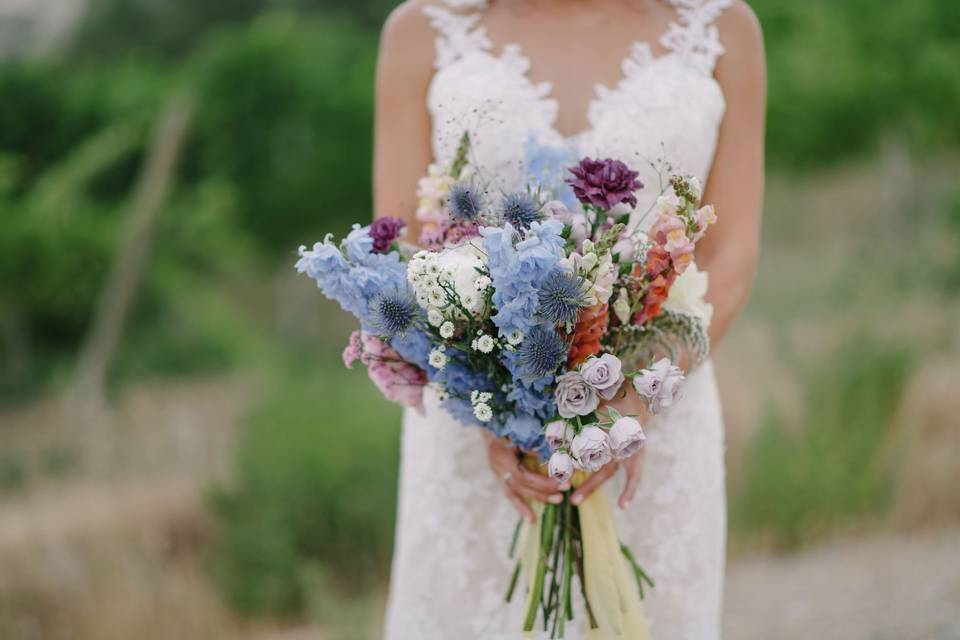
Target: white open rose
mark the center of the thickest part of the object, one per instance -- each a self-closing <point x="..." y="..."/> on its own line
<point x="461" y="264"/>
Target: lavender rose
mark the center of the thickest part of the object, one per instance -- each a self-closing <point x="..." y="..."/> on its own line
<point x="626" y="437"/>
<point x="605" y="374"/>
<point x="604" y="183"/>
<point x="384" y="231"/>
<point x="558" y="434"/>
<point x="660" y="384"/>
<point x="574" y="396"/>
<point x="591" y="448"/>
<point x="561" y="467"/>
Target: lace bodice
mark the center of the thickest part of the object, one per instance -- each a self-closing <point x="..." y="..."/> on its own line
<point x="666" y="107"/>
<point x="450" y="565"/>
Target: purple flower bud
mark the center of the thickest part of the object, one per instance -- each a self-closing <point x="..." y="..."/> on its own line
<point x="384" y="231"/>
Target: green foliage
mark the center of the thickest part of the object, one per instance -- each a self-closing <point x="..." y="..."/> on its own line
<point x="287" y="118"/>
<point x="843" y="74"/>
<point x="315" y="486"/>
<point x="801" y="480"/>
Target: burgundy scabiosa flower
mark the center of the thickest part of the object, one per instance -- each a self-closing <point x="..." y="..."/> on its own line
<point x="384" y="231"/>
<point x="604" y="183"/>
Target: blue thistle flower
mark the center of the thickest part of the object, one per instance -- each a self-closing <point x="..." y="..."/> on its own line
<point x="464" y="202"/>
<point x="392" y="312"/>
<point x="521" y="210"/>
<point x="560" y="297"/>
<point x="541" y="352"/>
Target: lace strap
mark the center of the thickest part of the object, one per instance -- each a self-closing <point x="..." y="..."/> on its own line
<point x="458" y="30"/>
<point x="694" y="37"/>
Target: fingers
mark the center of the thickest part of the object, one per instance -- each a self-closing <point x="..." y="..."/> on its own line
<point x="536" y="481"/>
<point x="520" y="505"/>
<point x="593" y="483"/>
<point x="633" y="467"/>
<point x="534" y="494"/>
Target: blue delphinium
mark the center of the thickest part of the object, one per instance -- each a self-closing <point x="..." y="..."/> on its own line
<point x="521" y="209"/>
<point x="464" y="202"/>
<point x="541" y="352"/>
<point x="560" y="297"/>
<point x="529" y="395"/>
<point x="548" y="167"/>
<point x="460" y="380"/>
<point x="524" y="430"/>
<point x="414" y="346"/>
<point x="354" y="275"/>
<point x="393" y="311"/>
<point x="518" y="267"/>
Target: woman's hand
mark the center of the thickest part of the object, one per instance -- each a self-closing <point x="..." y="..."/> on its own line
<point x="519" y="483"/>
<point x="628" y="403"/>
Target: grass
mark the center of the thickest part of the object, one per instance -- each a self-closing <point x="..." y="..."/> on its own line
<point x="803" y="477"/>
<point x="315" y="486"/>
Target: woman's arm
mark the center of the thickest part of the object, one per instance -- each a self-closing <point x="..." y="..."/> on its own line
<point x="402" y="128"/>
<point x="735" y="187"/>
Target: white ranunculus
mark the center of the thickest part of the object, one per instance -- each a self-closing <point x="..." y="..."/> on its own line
<point x="561" y="467"/>
<point x="626" y="437"/>
<point x="687" y="295"/>
<point x="592" y="448"/>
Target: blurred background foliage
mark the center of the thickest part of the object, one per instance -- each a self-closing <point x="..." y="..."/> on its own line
<point x="862" y="147"/>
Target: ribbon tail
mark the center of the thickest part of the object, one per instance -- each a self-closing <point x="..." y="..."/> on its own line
<point x="611" y="588"/>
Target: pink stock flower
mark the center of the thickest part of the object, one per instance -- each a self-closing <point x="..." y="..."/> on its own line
<point x="704" y="217"/>
<point x="353" y="350"/>
<point x="398" y="380"/>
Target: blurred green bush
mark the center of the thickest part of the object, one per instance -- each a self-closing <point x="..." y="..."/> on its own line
<point x="307" y="495"/>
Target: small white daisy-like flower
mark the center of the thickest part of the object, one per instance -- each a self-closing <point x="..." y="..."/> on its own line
<point x="438" y="359"/>
<point x="483" y="412"/>
<point x="469" y="300"/>
<point x="435" y="298"/>
<point x="485" y="344"/>
<point x="434" y="317"/>
<point x="446" y="330"/>
<point x="482" y="283"/>
<point x="515" y="337"/>
<point x="423" y="300"/>
<point x="484" y="396"/>
<point x="474" y="397"/>
<point x="473" y="345"/>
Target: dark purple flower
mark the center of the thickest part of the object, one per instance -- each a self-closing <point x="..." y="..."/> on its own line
<point x="384" y="231"/>
<point x="604" y="183"/>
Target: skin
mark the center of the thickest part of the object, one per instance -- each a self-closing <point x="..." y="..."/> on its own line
<point x="604" y="29"/>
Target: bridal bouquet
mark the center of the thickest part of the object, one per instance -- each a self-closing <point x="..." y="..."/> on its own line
<point x="526" y="314"/>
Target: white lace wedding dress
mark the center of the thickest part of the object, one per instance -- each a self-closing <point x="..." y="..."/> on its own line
<point x="450" y="567"/>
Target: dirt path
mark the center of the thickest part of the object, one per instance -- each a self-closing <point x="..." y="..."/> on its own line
<point x="884" y="587"/>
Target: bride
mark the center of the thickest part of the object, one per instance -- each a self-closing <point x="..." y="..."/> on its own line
<point x="648" y="82"/>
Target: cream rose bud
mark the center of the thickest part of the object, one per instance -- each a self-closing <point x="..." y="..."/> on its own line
<point x="558" y="434"/>
<point x="626" y="437"/>
<point x="605" y="374"/>
<point x="561" y="467"/>
<point x="591" y="448"/>
<point x="574" y="396"/>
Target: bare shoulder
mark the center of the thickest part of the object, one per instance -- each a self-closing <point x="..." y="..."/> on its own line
<point x="407" y="27"/>
<point x="743" y="63"/>
<point x="740" y="32"/>
<point x="407" y="41"/>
